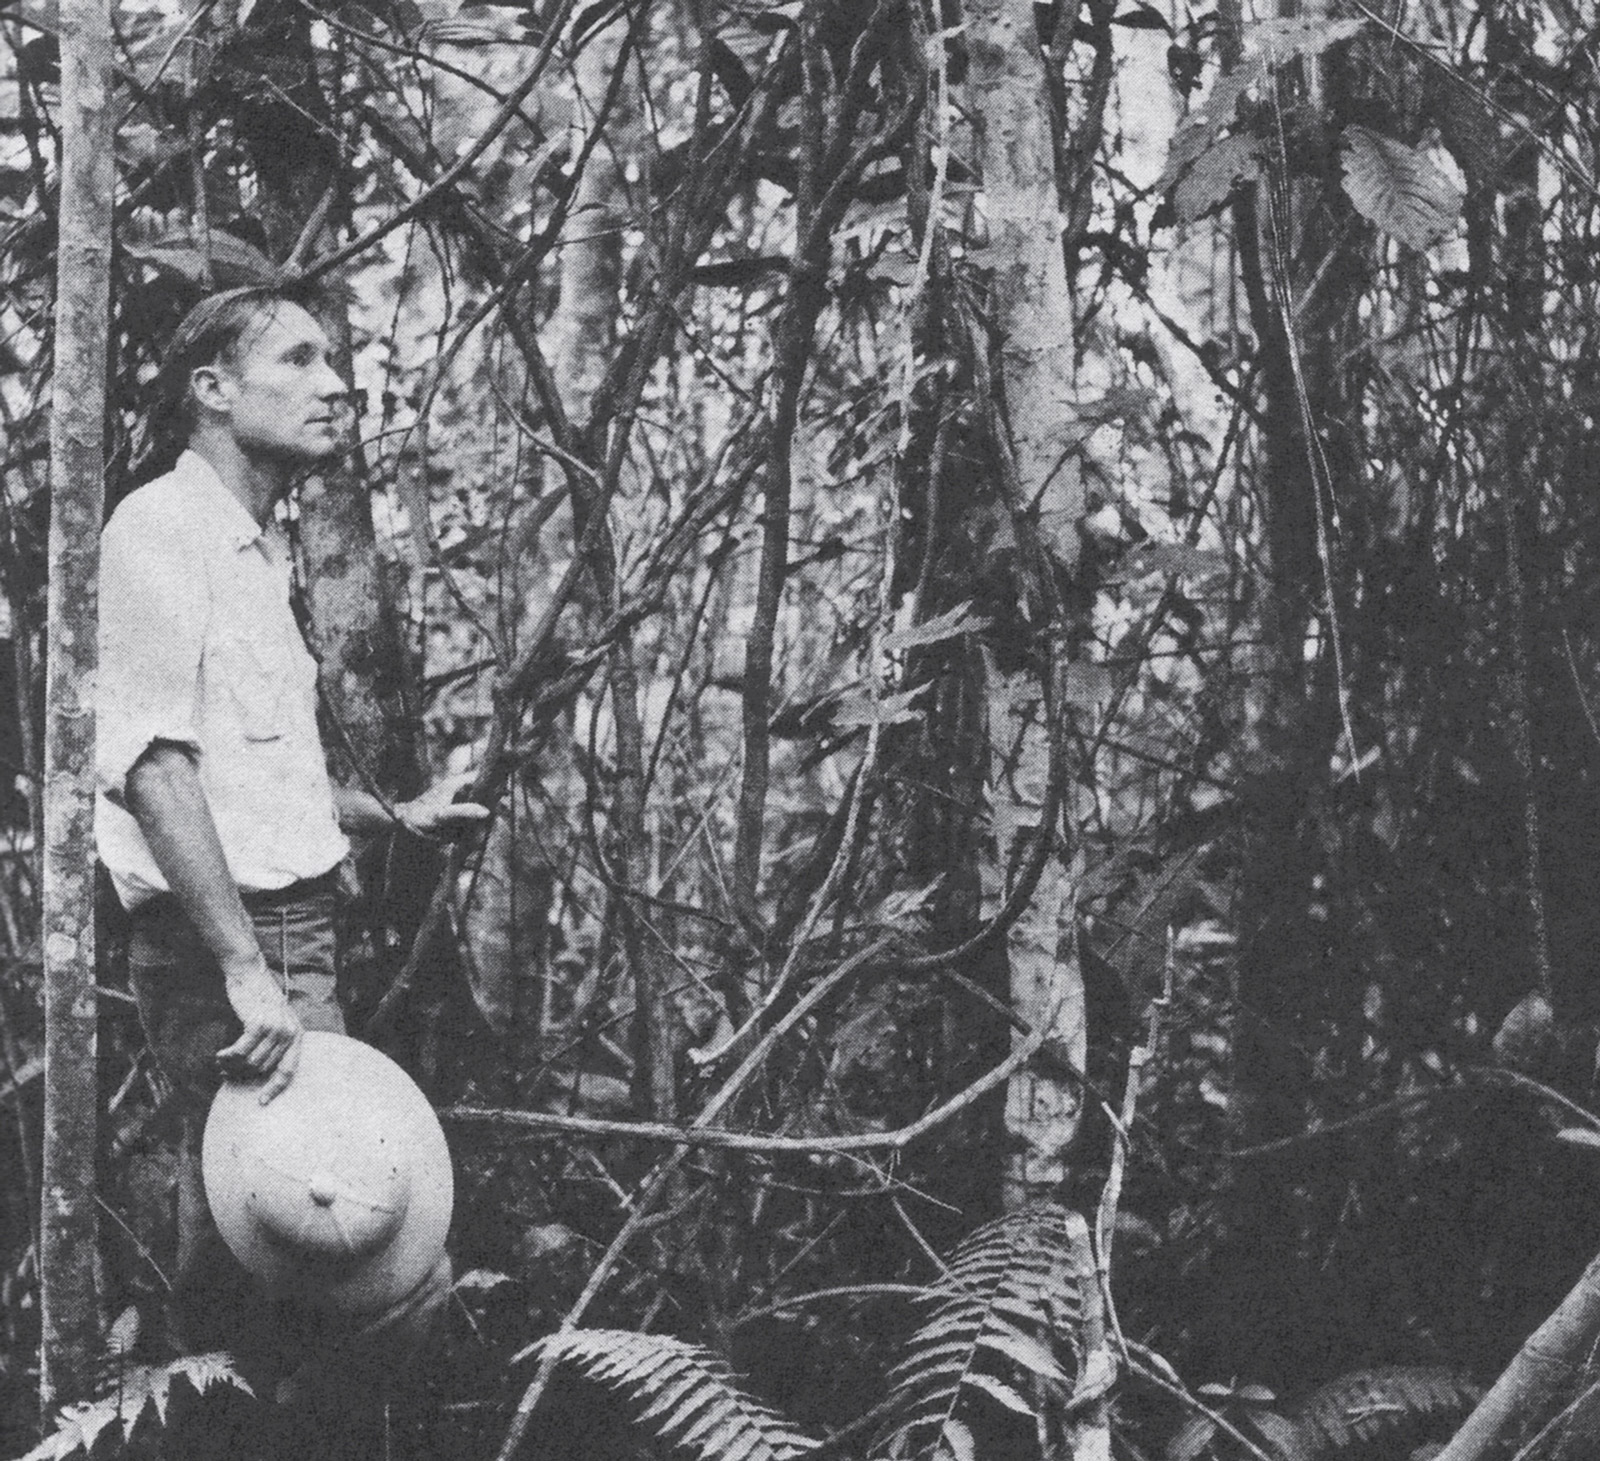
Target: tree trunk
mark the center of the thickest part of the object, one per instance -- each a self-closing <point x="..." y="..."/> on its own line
<point x="1032" y="323"/>
<point x="287" y="123"/>
<point x="584" y="327"/>
<point x="1291" y="973"/>
<point x="1556" y="1354"/>
<point x="68" y="1256"/>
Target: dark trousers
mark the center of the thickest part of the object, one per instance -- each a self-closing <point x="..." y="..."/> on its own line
<point x="318" y="1362"/>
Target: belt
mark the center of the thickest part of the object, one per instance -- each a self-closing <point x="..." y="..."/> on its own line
<point x="266" y="900"/>
<point x="256" y="900"/>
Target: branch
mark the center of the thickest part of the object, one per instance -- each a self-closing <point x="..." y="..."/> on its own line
<point x="498" y="762"/>
<point x="656" y="1183"/>
<point x="828" y="174"/>
<point x="743" y="1141"/>
<point x="1154" y="1367"/>
<point x="458" y="169"/>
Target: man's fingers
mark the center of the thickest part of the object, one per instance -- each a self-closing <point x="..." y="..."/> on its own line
<point x="247" y="1049"/>
<point x="452" y="785"/>
<point x="260" y="1048"/>
<point x="279" y="1080"/>
<point x="429" y="817"/>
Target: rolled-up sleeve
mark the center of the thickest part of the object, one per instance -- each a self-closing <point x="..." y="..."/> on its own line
<point x="152" y="631"/>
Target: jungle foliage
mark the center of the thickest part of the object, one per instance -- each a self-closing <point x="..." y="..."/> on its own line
<point x="996" y="938"/>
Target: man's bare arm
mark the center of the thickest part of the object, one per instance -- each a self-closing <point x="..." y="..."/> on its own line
<point x="166" y="798"/>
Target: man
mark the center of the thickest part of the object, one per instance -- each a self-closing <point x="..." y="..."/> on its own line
<point x="216" y="818"/>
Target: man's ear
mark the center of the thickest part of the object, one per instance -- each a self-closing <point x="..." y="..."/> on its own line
<point x="212" y="388"/>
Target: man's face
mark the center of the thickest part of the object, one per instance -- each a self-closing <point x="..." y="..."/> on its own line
<point x="284" y="399"/>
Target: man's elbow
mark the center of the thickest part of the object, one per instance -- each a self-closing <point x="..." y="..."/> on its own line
<point x="165" y="769"/>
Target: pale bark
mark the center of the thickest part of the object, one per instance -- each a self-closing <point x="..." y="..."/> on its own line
<point x="68" y="1256"/>
<point x="1555" y="1355"/>
<point x="1031" y="312"/>
<point x="584" y="328"/>
<point x="583" y="325"/>
<point x="1042" y="1108"/>
<point x="1032" y="321"/>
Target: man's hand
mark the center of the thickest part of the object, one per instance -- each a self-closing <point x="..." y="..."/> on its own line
<point x="436" y="814"/>
<point x="269" y="1049"/>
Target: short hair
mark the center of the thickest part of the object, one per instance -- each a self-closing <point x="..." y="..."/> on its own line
<point x="210" y="332"/>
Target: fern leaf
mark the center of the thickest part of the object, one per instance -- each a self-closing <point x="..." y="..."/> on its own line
<point x="1400" y="189"/>
<point x="999" y="1390"/>
<point x="1405" y="1405"/>
<point x="1030" y="1354"/>
<point x="136" y="1389"/>
<point x="687" y="1414"/>
<point x="79" y="1428"/>
<point x="688" y="1394"/>
<point x="1013" y="1301"/>
<point x="746" y="1447"/>
<point x="702" y="1435"/>
<point x="958" y="1441"/>
<point x="672" y="1392"/>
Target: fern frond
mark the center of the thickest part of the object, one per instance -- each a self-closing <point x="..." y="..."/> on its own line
<point x="137" y="1388"/>
<point x="1014" y="1303"/>
<point x="1390" y="1408"/>
<point x="689" y="1395"/>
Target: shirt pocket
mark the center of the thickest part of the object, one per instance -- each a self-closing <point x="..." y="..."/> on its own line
<point x="253" y="672"/>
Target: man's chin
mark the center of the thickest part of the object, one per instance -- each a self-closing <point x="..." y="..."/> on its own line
<point x="308" y="458"/>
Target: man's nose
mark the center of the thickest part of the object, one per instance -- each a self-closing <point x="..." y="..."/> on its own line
<point x="330" y="384"/>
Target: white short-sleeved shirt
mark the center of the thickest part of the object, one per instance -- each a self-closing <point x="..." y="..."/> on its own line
<point x="199" y="647"/>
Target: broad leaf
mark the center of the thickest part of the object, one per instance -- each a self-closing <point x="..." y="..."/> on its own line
<point x="1283" y="38"/>
<point x="950" y="625"/>
<point x="232" y="260"/>
<point x="1279" y="1436"/>
<point x="1271" y="42"/>
<point x="1528" y="1038"/>
<point x="1087" y="685"/>
<point x="1201" y="129"/>
<point x="1402" y="190"/>
<point x="1210" y="181"/>
<point x="1191" y="1439"/>
<point x="1183" y="559"/>
<point x="896" y="709"/>
<point x="1143" y="17"/>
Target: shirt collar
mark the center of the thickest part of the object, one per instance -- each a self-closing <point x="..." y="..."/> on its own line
<point x="231" y="516"/>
